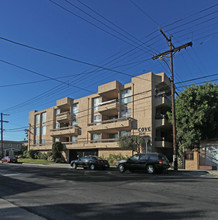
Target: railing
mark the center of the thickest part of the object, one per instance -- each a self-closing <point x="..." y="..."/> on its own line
<point x="93" y="141"/>
<point x="163" y="139"/>
<point x="63" y="128"/>
<point x="63" y="113"/>
<point x="108" y="102"/>
<point x="161" y="116"/>
<point x="110" y="121"/>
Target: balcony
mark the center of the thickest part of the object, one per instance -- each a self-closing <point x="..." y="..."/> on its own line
<point x="64" y="102"/>
<point x="114" y="124"/>
<point x="65" y="131"/>
<point x="163" y="100"/>
<point x="103" y="143"/>
<point x="109" y="90"/>
<point x="65" y="116"/>
<point x="110" y="107"/>
<point x="163" y="142"/>
<point x="161" y="120"/>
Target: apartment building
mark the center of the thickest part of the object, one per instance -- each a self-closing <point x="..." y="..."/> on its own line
<point x="93" y="124"/>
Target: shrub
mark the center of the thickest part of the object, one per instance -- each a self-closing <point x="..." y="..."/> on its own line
<point x="32" y="154"/>
<point x="113" y="158"/>
<point x="57" y="147"/>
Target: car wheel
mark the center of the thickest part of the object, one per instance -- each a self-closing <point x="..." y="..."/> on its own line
<point x="92" y="167"/>
<point x="150" y="169"/>
<point x="122" y="168"/>
<point x="74" y="165"/>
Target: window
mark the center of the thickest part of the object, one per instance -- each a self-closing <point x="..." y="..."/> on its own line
<point x="124" y="133"/>
<point x="113" y="136"/>
<point x="74" y="139"/>
<point x="36" y="142"/>
<point x="135" y="157"/>
<point x="43" y="142"/>
<point x="44" y="117"/>
<point x="96" y="102"/>
<point x="126" y="113"/>
<point x="58" y="111"/>
<point x="126" y="96"/>
<point x="57" y="125"/>
<point x="144" y="157"/>
<point x="44" y="130"/>
<point x="75" y="122"/>
<point x="37" y="119"/>
<point x="57" y="139"/>
<point x="75" y="109"/>
<point x="37" y="131"/>
<point x="97" y="118"/>
<point x="96" y="137"/>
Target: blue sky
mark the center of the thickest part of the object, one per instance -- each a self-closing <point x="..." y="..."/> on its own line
<point x="112" y="38"/>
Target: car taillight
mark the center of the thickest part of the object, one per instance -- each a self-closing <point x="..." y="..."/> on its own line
<point x="160" y="162"/>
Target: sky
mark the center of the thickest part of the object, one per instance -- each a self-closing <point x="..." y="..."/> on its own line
<point x="51" y="49"/>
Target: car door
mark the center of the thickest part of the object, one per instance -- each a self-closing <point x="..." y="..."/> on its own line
<point x="80" y="162"/>
<point x="133" y="162"/>
<point x="143" y="160"/>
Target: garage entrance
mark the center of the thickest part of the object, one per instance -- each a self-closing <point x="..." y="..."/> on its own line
<point x="75" y="154"/>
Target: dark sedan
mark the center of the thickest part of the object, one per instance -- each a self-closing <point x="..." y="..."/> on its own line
<point x="150" y="162"/>
<point x="91" y="162"/>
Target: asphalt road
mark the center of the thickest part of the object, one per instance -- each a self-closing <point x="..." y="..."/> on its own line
<point x="36" y="192"/>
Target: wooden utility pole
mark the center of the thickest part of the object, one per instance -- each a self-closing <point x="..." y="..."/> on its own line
<point x="2" y="142"/>
<point x="172" y="49"/>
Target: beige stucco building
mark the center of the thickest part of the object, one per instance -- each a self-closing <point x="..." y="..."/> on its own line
<point x="93" y="124"/>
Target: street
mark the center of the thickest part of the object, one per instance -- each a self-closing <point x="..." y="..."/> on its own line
<point x="43" y="192"/>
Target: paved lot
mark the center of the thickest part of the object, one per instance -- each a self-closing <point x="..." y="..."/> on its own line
<point x="48" y="192"/>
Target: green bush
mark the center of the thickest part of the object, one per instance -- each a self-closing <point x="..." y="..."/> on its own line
<point x="25" y="154"/>
<point x="113" y="158"/>
<point x="57" y="147"/>
<point x="33" y="154"/>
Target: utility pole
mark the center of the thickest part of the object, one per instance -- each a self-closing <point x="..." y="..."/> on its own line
<point x="2" y="143"/>
<point x="172" y="49"/>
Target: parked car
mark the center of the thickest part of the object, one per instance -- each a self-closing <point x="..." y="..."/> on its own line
<point x="150" y="162"/>
<point x="9" y="159"/>
<point x="91" y="162"/>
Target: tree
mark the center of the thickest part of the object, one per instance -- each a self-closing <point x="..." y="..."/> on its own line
<point x="131" y="142"/>
<point x="57" y="147"/>
<point x="196" y="115"/>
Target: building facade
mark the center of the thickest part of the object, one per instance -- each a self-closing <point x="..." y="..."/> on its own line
<point x="11" y="148"/>
<point x="93" y="124"/>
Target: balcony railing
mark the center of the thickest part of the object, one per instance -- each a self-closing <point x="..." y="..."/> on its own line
<point x="110" y="121"/>
<point x="63" y="116"/>
<point x="71" y="130"/>
<point x="92" y="141"/>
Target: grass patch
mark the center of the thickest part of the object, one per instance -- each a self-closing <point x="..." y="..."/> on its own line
<point x="35" y="161"/>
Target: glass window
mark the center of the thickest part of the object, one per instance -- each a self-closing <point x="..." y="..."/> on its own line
<point x="37" y="131"/>
<point x="44" y="130"/>
<point x="75" y="109"/>
<point x="75" y="122"/>
<point x="96" y="136"/>
<point x="36" y="142"/>
<point x="43" y="142"/>
<point x="37" y="119"/>
<point x="57" y="125"/>
<point x="58" y="111"/>
<point x="144" y="157"/>
<point x="126" y="113"/>
<point x="124" y="133"/>
<point x="74" y="139"/>
<point x="126" y="96"/>
<point x="44" y="117"/>
<point x="113" y="136"/>
<point x="96" y="102"/>
<point x="135" y="157"/>
<point x="97" y="118"/>
<point x="57" y="139"/>
<point x="153" y="157"/>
